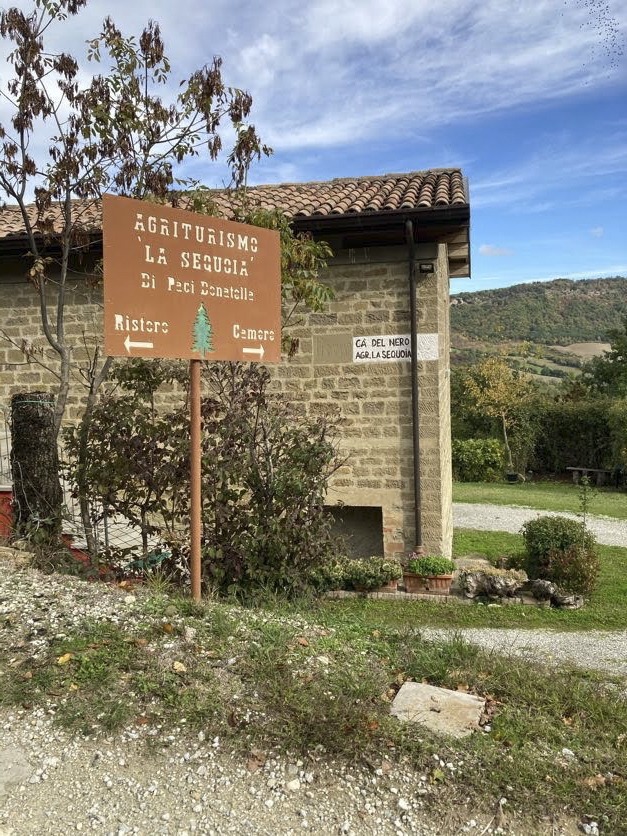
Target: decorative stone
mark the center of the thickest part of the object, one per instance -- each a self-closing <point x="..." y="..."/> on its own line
<point x="14" y="768"/>
<point x="453" y="713"/>
<point x="567" y="601"/>
<point x="542" y="590"/>
<point x="490" y="582"/>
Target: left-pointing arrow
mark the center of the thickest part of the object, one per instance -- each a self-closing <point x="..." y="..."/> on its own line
<point x="128" y="344"/>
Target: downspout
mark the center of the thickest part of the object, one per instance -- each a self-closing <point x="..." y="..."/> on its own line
<point x="415" y="412"/>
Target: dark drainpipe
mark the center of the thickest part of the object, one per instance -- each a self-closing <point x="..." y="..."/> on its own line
<point x="409" y="235"/>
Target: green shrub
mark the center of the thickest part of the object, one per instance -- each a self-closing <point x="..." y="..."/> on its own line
<point x="371" y="572"/>
<point x="573" y="433"/>
<point x="561" y="550"/>
<point x="265" y="472"/>
<point x="618" y="430"/>
<point x="329" y="575"/>
<point x="477" y="460"/>
<point x="430" y="565"/>
<point x="575" y="569"/>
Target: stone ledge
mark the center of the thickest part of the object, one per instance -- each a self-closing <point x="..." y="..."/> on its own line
<point x="517" y="600"/>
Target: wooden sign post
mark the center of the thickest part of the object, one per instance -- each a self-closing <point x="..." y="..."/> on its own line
<point x="181" y="285"/>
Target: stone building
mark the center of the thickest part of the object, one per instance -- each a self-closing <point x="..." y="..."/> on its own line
<point x="395" y="238"/>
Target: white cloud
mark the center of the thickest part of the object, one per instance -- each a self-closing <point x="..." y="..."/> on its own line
<point x="329" y="73"/>
<point x="491" y="250"/>
<point x="597" y="232"/>
<point x="563" y="170"/>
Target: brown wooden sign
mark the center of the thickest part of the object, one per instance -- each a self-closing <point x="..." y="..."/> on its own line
<point x="182" y="285"/>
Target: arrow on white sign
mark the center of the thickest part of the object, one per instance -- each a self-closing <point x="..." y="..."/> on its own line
<point x="258" y="351"/>
<point x="128" y="344"/>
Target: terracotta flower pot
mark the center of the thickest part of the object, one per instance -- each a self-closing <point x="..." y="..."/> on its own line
<point x="6" y="510"/>
<point x="435" y="584"/>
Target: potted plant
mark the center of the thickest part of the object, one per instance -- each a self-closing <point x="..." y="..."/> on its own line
<point x="429" y="573"/>
<point x="372" y="573"/>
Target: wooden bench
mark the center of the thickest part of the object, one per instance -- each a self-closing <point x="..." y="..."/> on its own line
<point x="601" y="474"/>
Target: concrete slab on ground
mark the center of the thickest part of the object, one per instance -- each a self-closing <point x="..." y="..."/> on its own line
<point x="441" y="710"/>
<point x="14" y="768"/>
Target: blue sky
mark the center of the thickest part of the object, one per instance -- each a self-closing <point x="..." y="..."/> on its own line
<point x="529" y="98"/>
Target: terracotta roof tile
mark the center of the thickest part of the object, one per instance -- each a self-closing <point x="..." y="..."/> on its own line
<point x="417" y="190"/>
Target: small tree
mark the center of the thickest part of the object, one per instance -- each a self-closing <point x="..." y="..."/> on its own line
<point x="117" y="134"/>
<point x="500" y="393"/>
<point x="608" y="374"/>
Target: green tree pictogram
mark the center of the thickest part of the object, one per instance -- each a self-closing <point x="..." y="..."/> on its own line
<point x="203" y="332"/>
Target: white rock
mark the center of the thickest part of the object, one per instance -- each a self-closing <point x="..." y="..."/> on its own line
<point x="293" y="786"/>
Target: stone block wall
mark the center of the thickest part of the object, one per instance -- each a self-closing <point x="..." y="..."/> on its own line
<point x="371" y="288"/>
<point x="20" y="321"/>
<point x="373" y="399"/>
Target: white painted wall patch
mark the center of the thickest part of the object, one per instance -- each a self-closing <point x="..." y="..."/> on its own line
<point x="393" y="348"/>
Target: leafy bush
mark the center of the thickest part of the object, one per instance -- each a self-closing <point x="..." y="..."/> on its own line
<point x="563" y="551"/>
<point x="265" y="474"/>
<point x="328" y="575"/>
<point x="618" y="430"/>
<point x="573" y="433"/>
<point x="575" y="569"/>
<point x="430" y="565"/>
<point x="478" y="460"/>
<point x="371" y="572"/>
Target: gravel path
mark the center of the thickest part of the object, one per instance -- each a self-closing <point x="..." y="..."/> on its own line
<point x="599" y="650"/>
<point x="607" y="530"/>
<point x="154" y="781"/>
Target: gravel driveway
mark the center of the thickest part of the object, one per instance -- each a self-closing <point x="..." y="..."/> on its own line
<point x="607" y="530"/>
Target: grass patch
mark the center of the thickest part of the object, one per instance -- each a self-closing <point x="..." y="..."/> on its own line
<point x="490" y="544"/>
<point x="605" y="610"/>
<point x="103" y="677"/>
<point x="321" y="679"/>
<point x="545" y="496"/>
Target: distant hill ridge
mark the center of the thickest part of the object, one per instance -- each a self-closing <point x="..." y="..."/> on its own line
<point x="558" y="312"/>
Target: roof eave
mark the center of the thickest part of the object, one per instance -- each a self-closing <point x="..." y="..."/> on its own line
<point x="386" y="219"/>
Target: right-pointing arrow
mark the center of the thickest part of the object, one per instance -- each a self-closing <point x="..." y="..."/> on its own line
<point x="258" y="351"/>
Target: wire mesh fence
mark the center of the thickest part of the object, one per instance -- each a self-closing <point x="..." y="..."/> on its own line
<point x="111" y="532"/>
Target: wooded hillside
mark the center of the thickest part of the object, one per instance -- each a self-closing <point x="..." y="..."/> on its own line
<point x="548" y="313"/>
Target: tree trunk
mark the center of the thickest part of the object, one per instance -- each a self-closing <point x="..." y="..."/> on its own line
<point x="37" y="494"/>
<point x="510" y="461"/>
<point x="81" y="481"/>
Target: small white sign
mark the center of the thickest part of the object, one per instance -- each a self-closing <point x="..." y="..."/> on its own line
<point x="393" y="348"/>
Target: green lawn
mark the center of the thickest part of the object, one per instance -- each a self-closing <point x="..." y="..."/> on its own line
<point x="605" y="611"/>
<point x="546" y="496"/>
